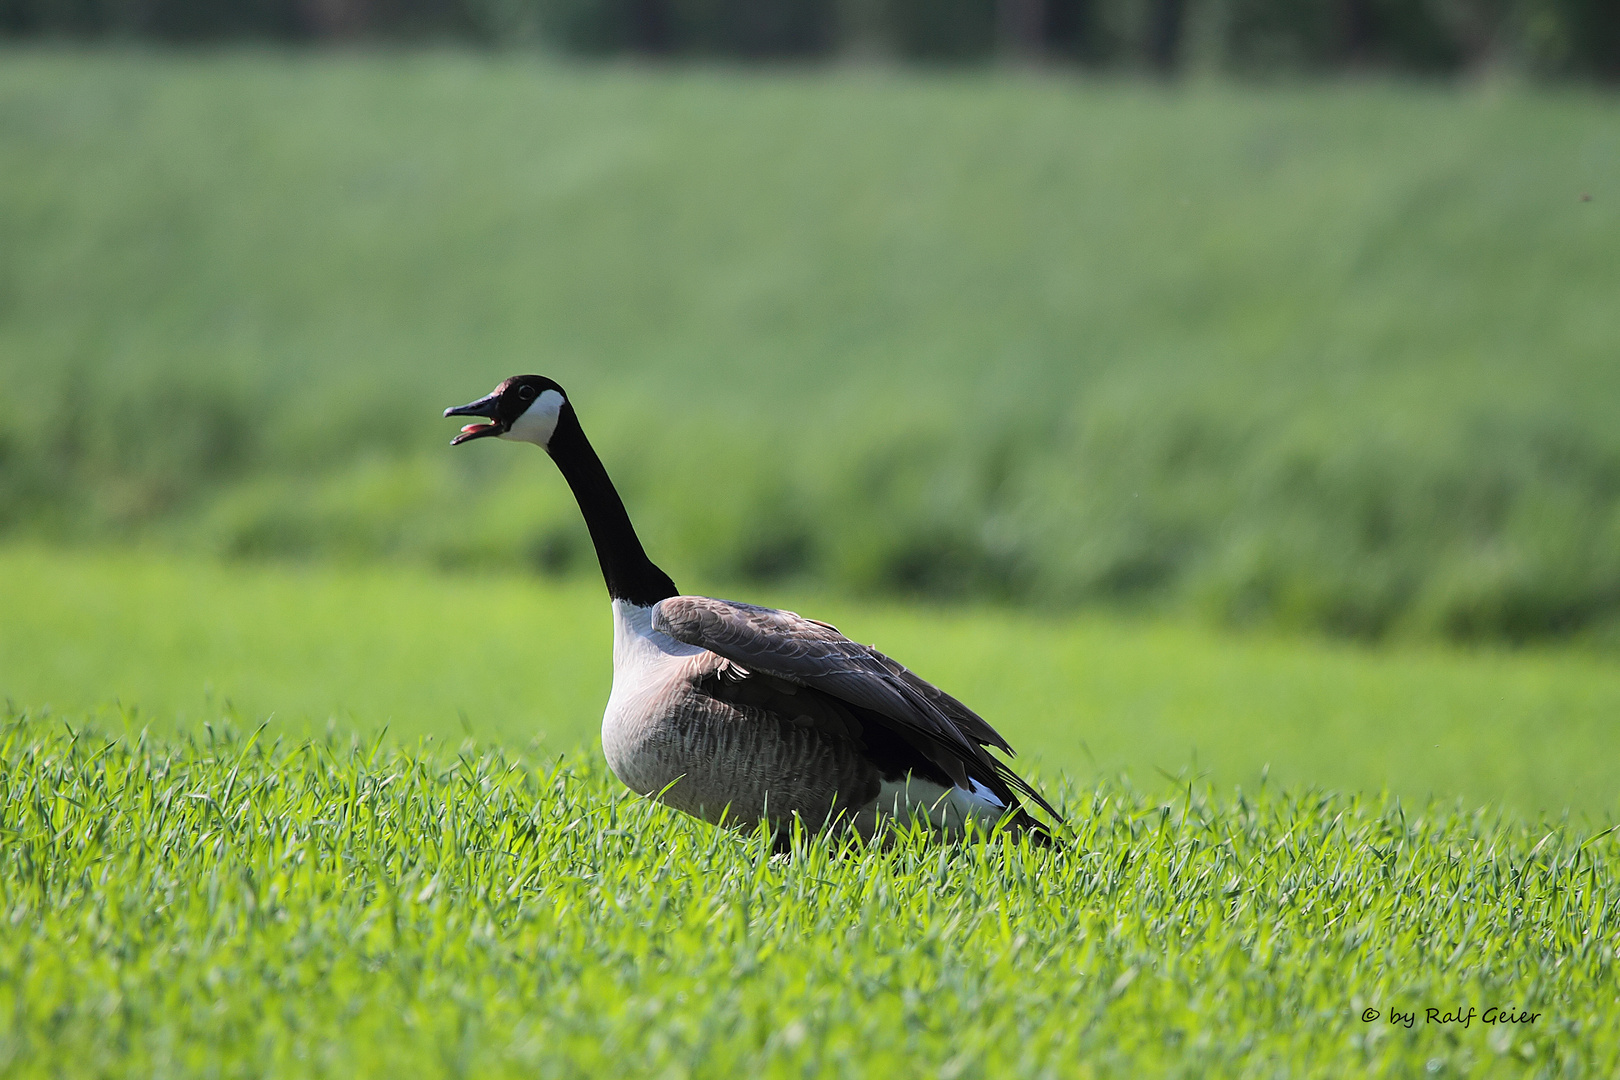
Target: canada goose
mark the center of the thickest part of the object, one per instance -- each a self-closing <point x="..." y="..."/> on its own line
<point x="733" y="712"/>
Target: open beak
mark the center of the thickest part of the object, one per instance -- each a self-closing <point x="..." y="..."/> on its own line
<point x="486" y="406"/>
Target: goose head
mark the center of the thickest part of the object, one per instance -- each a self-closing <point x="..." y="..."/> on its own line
<point x="524" y="407"/>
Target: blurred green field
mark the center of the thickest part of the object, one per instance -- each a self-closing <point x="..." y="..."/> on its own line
<point x="1338" y="356"/>
<point x="135" y="639"/>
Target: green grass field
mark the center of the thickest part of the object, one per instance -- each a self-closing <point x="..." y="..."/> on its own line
<point x="513" y="660"/>
<point x="215" y="862"/>
<point x="1333" y="356"/>
<point x="236" y="907"/>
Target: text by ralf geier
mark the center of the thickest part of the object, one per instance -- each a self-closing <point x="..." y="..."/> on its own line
<point x="1459" y="1016"/>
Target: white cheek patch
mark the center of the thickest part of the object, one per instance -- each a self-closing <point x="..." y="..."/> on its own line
<point x="538" y="421"/>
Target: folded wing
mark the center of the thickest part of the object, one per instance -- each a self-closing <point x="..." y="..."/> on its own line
<point x="787" y="646"/>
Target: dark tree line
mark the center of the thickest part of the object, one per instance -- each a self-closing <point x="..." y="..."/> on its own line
<point x="1554" y="37"/>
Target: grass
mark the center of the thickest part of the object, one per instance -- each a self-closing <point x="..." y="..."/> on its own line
<point x="234" y="872"/>
<point x="141" y="639"/>
<point x="219" y="905"/>
<point x="1336" y="356"/>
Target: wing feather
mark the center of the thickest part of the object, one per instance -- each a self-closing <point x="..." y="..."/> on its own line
<point x="788" y="646"/>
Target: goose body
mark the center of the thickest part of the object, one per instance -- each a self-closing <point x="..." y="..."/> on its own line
<point x="708" y="736"/>
<point x="739" y="714"/>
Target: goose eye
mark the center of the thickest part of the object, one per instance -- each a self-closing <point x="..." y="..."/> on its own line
<point x="526" y="393"/>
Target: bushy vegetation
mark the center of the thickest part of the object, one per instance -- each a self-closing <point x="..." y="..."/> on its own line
<point x="1545" y="37"/>
<point x="1335" y="357"/>
<point x="224" y="905"/>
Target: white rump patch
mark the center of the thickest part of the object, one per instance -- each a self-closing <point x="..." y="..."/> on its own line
<point x="538" y="421"/>
<point x="946" y="808"/>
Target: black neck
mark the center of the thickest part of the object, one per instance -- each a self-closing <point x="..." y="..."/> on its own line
<point x="629" y="574"/>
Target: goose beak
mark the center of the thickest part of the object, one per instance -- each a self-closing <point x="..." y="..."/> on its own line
<point x="486" y="406"/>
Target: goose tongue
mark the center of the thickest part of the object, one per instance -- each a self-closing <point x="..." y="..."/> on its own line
<point x="476" y="431"/>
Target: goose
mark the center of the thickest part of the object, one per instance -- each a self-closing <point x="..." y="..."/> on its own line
<point x="740" y="715"/>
